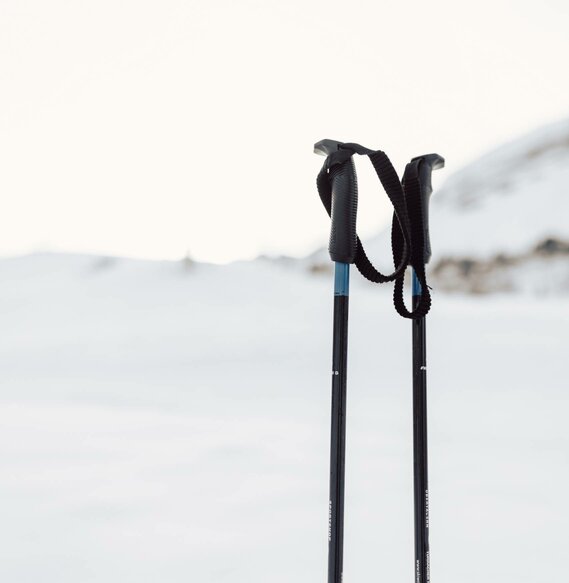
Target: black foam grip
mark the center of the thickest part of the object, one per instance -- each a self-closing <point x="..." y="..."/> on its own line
<point x="425" y="166"/>
<point x="343" y="239"/>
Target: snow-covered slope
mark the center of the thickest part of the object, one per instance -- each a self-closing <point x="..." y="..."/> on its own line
<point x="169" y="422"/>
<point x="502" y="222"/>
<point x="508" y="201"/>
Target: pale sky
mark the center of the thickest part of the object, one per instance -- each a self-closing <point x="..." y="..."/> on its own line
<point x="148" y="128"/>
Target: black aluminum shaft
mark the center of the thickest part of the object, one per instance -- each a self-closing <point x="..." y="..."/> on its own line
<point x="338" y="432"/>
<point x="420" y="465"/>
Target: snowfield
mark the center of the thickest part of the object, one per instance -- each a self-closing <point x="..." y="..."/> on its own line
<point x="170" y="423"/>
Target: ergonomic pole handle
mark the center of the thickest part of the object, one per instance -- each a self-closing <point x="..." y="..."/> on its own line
<point x="421" y="167"/>
<point x="344" y="203"/>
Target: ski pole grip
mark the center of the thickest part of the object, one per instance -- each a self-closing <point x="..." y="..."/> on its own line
<point x="344" y="203"/>
<point x="425" y="166"/>
<point x="343" y="239"/>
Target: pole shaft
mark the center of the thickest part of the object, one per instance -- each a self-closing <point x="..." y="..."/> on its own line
<point x="420" y="467"/>
<point x="338" y="432"/>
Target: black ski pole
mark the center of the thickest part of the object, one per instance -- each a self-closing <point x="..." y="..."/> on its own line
<point x="338" y="432"/>
<point x="420" y="169"/>
<point x="420" y="467"/>
<point x="342" y="247"/>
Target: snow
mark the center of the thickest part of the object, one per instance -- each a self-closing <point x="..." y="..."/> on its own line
<point x="166" y="423"/>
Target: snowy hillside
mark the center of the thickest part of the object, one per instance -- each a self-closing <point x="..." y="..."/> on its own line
<point x="169" y="422"/>
<point x="501" y="223"/>
<point x="508" y="201"/>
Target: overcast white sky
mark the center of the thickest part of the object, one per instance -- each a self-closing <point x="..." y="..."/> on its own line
<point x="151" y="127"/>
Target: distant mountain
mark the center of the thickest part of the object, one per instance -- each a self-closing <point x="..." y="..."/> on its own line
<point x="501" y="224"/>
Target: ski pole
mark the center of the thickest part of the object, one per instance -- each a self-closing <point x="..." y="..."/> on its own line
<point x="420" y="467"/>
<point x="342" y="247"/>
<point x="420" y="169"/>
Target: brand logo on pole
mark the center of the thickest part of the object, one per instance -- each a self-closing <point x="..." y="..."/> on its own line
<point x="329" y="520"/>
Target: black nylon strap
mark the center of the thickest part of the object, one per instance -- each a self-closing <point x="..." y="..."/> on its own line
<point x="407" y="238"/>
<point x="413" y="197"/>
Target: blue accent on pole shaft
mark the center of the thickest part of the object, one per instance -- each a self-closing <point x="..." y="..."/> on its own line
<point x="342" y="279"/>
<point x="417" y="290"/>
